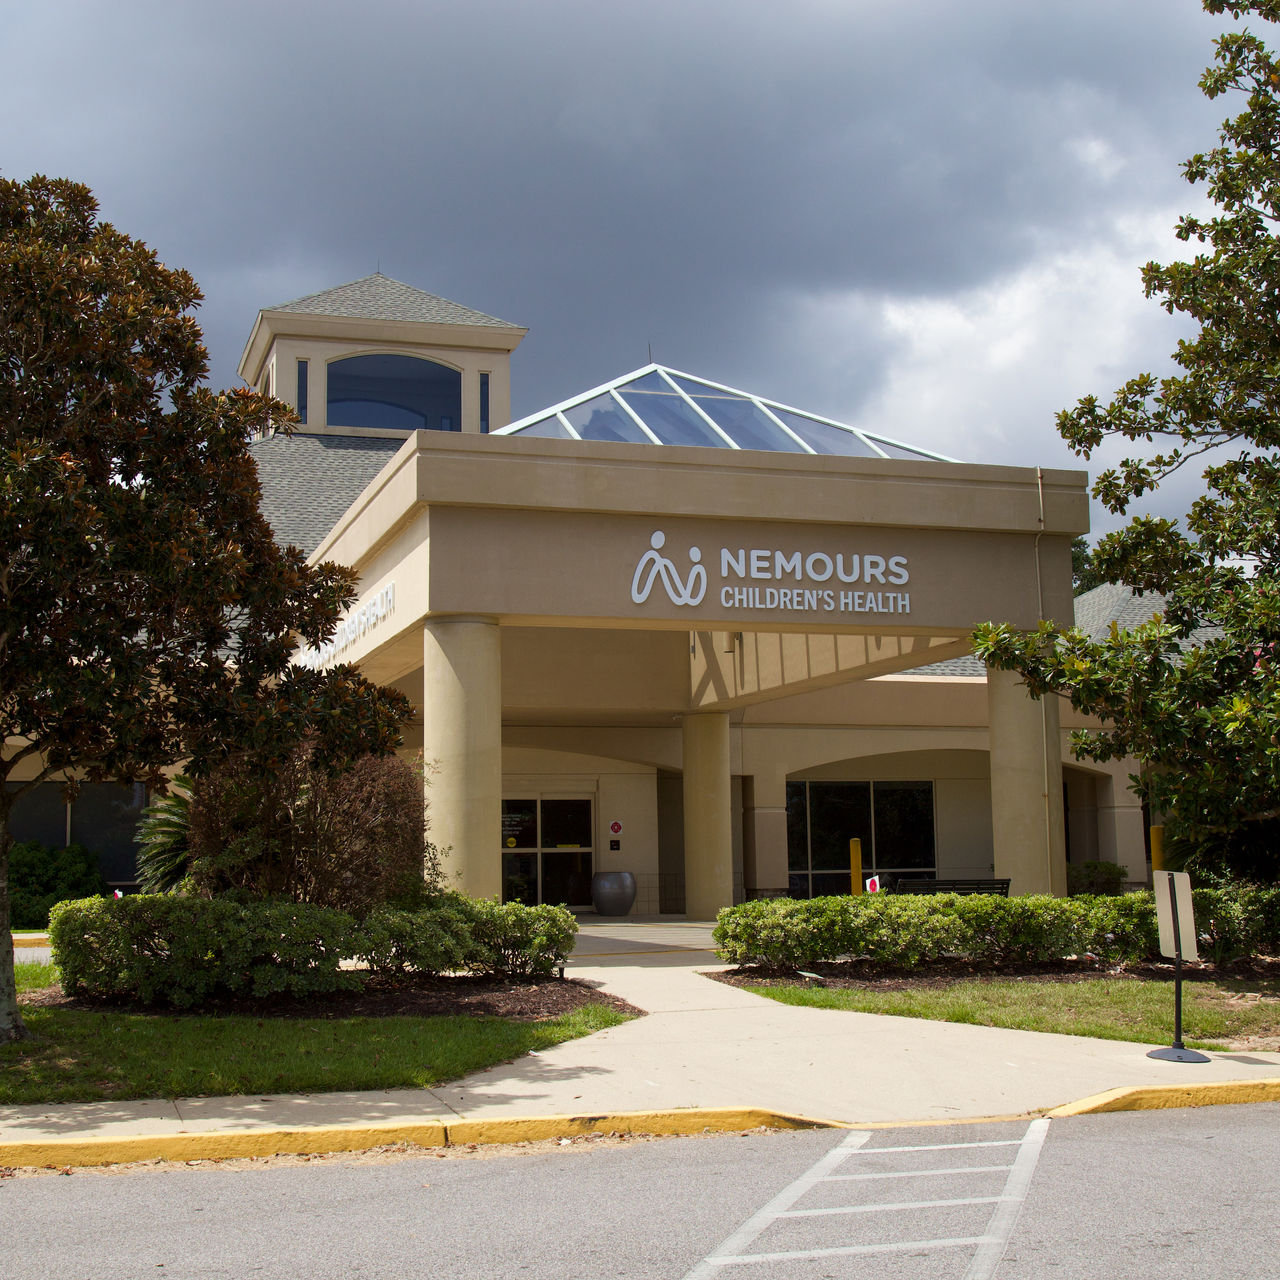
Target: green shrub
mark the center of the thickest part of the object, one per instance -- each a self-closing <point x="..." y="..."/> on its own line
<point x="163" y="949"/>
<point x="1232" y="920"/>
<point x="1120" y="930"/>
<point x="1096" y="878"/>
<point x="898" y="932"/>
<point x="435" y="939"/>
<point x="781" y="933"/>
<point x="910" y="930"/>
<point x="1023" y="930"/>
<point x="40" y="876"/>
<point x="518" y="940"/>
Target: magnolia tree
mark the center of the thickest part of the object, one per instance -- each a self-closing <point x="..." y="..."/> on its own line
<point x="1195" y="694"/>
<point x="147" y="615"/>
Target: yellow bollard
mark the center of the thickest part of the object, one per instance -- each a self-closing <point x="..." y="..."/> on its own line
<point x="855" y="865"/>
<point x="1157" y="848"/>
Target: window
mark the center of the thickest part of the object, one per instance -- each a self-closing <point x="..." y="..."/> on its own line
<point x="546" y="850"/>
<point x="103" y="817"/>
<point x="894" y="821"/>
<point x="399" y="392"/>
<point x="302" y="392"/>
<point x="484" y="402"/>
<point x="40" y="816"/>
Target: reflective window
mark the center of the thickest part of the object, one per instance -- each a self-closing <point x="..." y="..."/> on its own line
<point x="838" y="812"/>
<point x="894" y="821"/>
<point x="519" y="824"/>
<point x="672" y="420"/>
<point x="548" y="429"/>
<point x="650" y="382"/>
<point x="677" y="409"/>
<point x="104" y="818"/>
<point x="824" y="438"/>
<point x="484" y="402"/>
<point x="798" y="827"/>
<point x="302" y="392"/>
<point x="604" y="419"/>
<point x="40" y="816"/>
<point x="901" y="451"/>
<point x="566" y="824"/>
<point x="750" y="427"/>
<point x="547" y="850"/>
<point x="904" y="825"/>
<point x="401" y="392"/>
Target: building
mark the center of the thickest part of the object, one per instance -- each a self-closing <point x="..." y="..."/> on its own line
<point x="670" y="627"/>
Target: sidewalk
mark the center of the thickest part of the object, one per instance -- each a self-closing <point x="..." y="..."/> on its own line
<point x="731" y="1057"/>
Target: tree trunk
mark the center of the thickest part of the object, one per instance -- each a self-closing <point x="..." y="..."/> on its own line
<point x="11" y="1027"/>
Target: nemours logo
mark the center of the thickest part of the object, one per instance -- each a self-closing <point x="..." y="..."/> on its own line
<point x="741" y="569"/>
<point x="653" y="564"/>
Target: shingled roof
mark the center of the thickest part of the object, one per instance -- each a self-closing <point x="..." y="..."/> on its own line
<point x="379" y="297"/>
<point x="309" y="481"/>
<point x="1095" y="611"/>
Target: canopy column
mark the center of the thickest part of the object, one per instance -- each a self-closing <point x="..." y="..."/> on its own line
<point x="462" y="732"/>
<point x="1026" y="787"/>
<point x="765" y="834"/>
<point x="708" y="824"/>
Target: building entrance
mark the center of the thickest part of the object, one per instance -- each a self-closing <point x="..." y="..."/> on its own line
<point x="547" y="850"/>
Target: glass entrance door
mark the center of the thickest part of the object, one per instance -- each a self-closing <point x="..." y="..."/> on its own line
<point x="547" y="850"/>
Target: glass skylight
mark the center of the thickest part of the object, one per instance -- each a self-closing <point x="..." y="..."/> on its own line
<point x="656" y="405"/>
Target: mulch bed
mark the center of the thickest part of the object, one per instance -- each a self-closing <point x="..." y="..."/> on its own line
<point x="862" y="974"/>
<point x="416" y="995"/>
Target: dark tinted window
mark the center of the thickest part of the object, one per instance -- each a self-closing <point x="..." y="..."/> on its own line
<point x="401" y="392"/>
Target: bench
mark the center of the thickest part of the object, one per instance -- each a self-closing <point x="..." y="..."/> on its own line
<point x="998" y="887"/>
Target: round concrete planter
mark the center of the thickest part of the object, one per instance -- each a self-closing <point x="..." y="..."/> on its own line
<point x="613" y="892"/>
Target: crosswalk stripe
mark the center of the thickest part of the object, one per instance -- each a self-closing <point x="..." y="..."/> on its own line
<point x="897" y="1246"/>
<point x="881" y="1208"/>
<point x="917" y="1173"/>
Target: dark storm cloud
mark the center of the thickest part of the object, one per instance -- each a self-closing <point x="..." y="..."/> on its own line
<point x="614" y="175"/>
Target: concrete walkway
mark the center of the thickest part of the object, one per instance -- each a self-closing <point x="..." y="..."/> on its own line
<point x="703" y="1045"/>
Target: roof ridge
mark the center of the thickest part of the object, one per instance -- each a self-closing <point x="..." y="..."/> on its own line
<point x="382" y="297"/>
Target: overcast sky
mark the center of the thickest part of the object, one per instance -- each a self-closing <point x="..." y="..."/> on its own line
<point x="923" y="217"/>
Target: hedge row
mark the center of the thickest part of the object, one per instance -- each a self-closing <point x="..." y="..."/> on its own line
<point x="164" y="949"/>
<point x="909" y="930"/>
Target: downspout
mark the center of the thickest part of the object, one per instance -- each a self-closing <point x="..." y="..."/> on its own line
<point x="1044" y="710"/>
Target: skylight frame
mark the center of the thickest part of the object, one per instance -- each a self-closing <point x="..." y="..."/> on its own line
<point x="871" y="440"/>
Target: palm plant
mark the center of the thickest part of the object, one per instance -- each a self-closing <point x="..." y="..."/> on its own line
<point x="163" y="832"/>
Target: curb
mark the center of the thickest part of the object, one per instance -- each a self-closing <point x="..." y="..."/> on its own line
<point x="1157" y="1097"/>
<point x="87" y="1152"/>
<point x="81" y="1153"/>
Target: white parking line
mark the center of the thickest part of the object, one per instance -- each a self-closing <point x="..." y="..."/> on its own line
<point x="765" y="1217"/>
<point x="891" y="1205"/>
<point x="989" y="1246"/>
<point x="919" y="1173"/>
<point x="1005" y="1218"/>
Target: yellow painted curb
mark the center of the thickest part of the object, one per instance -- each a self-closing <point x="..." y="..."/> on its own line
<point x="1159" y="1096"/>
<point x="81" y="1152"/>
<point x="77" y="1152"/>
<point x="694" y="1120"/>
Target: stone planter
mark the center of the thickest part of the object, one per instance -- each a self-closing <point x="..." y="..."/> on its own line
<point x="613" y="893"/>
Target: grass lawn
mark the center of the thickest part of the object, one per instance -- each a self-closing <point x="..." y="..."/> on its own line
<point x="79" y="1055"/>
<point x="1106" y="1007"/>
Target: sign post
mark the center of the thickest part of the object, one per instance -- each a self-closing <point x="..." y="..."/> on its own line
<point x="1177" y="939"/>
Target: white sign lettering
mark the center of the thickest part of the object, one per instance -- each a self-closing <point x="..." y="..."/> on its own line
<point x="351" y="628"/>
<point x="840" y="582"/>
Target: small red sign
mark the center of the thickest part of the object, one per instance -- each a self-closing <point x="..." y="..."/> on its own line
<point x="616" y="828"/>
